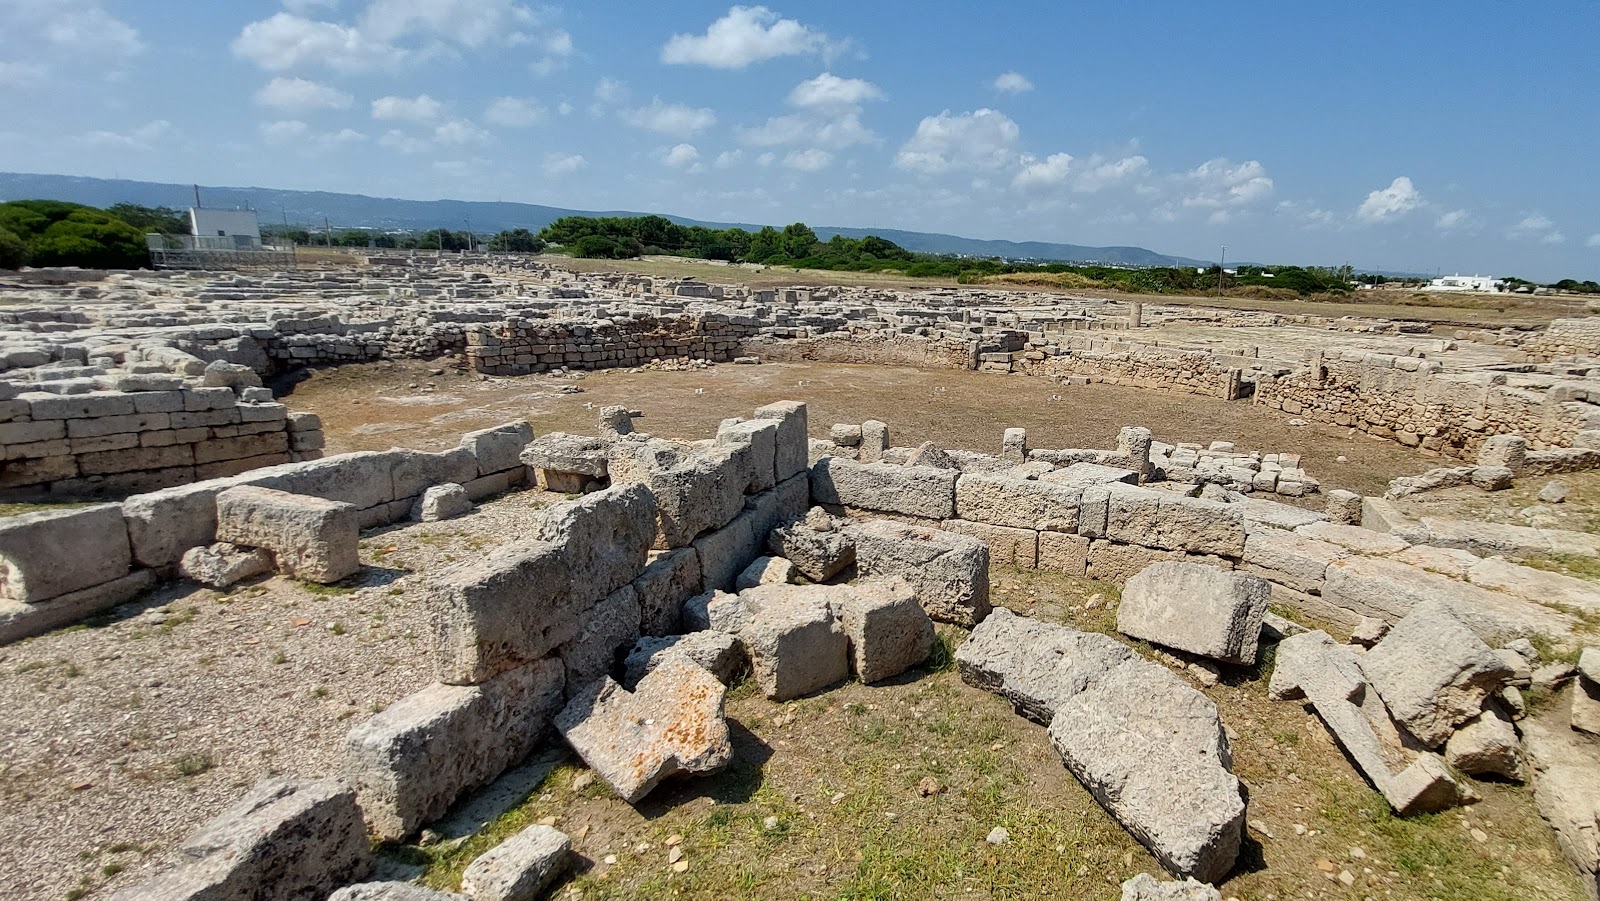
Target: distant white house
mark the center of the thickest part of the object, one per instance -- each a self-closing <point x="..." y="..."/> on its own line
<point x="1480" y="283"/>
<point x="225" y="228"/>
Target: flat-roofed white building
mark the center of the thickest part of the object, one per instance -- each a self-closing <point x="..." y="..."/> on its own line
<point x="1482" y="283"/>
<point x="237" y="228"/>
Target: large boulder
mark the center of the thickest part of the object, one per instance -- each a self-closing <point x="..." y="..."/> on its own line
<point x="1433" y="673"/>
<point x="606" y="536"/>
<point x="309" y="538"/>
<point x="797" y="647"/>
<point x="1200" y="609"/>
<point x="819" y="545"/>
<point x="671" y="723"/>
<point x="1145" y="887"/>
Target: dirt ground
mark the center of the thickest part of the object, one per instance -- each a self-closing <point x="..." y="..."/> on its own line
<point x="381" y="405"/>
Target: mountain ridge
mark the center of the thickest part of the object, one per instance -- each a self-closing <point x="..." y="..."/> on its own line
<point x="342" y="210"/>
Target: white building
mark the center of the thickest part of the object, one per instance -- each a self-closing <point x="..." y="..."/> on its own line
<point x="1481" y="283"/>
<point x="230" y="228"/>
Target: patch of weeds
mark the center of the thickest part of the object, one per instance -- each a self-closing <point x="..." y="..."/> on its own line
<point x="1574" y="565"/>
<point x="111" y="869"/>
<point x="123" y="848"/>
<point x="379" y="707"/>
<point x="75" y="894"/>
<point x="135" y="701"/>
<point x="179" y="618"/>
<point x="746" y="688"/>
<point x="71" y="671"/>
<point x="1550" y="652"/>
<point x="320" y="692"/>
<point x="279" y="658"/>
<point x="193" y="764"/>
<point x="30" y="666"/>
<point x="320" y="590"/>
<point x="945" y="641"/>
<point x="337" y="628"/>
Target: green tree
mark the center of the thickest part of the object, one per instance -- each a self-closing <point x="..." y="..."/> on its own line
<point x="13" y="250"/>
<point x="165" y="220"/>
<point x="798" y="241"/>
<point x="517" y="240"/>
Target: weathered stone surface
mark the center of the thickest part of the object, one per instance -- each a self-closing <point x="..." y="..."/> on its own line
<point x="578" y="455"/>
<point x="725" y="552"/>
<point x="1007" y="546"/>
<point x="907" y="490"/>
<point x="1344" y="507"/>
<point x="874" y="441"/>
<point x="818" y="546"/>
<point x="1486" y="745"/>
<point x="671" y="723"/>
<point x="511" y="607"/>
<point x="1083" y="475"/>
<point x="1004" y="500"/>
<point x="949" y="572"/>
<point x="761" y="435"/>
<point x="1163" y="520"/>
<point x="696" y="490"/>
<point x="445" y="501"/>
<point x="1195" y="608"/>
<point x="716" y="610"/>
<point x="55" y="552"/>
<point x="1584" y="714"/>
<point x="1145" y="887"/>
<point x="1109" y="561"/>
<point x="671" y="578"/>
<point x="19" y="620"/>
<point x="1433" y="673"/>
<point x="499" y="448"/>
<point x="1566" y="789"/>
<point x="718" y="652"/>
<point x="930" y="454"/>
<point x="796" y="648"/>
<point x="1153" y="753"/>
<point x="163" y="524"/>
<point x="519" y="868"/>
<point x="1368" y="586"/>
<point x="765" y="571"/>
<point x="221" y="565"/>
<point x="887" y="629"/>
<point x="309" y="538"/>
<point x="615" y="420"/>
<point x="1063" y="553"/>
<point x="608" y="627"/>
<point x="605" y="536"/>
<point x="1289" y="559"/>
<point x="283" y="840"/>
<point x="413" y="760"/>
<point x="1034" y="665"/>
<point x="790" y="452"/>
<point x="391" y="891"/>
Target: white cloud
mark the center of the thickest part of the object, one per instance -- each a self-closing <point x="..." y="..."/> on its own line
<point x="395" y="139"/>
<point x="1037" y="173"/>
<point x="62" y="39"/>
<point x="300" y="95"/>
<point x="1536" y="227"/>
<point x="460" y="132"/>
<point x="727" y="159"/>
<point x="812" y="160"/>
<point x="1384" y="204"/>
<point x="1219" y="183"/>
<point x="610" y="92"/>
<point x="392" y="33"/>
<point x="674" y="119"/>
<point x="144" y="137"/>
<point x="1454" y="219"/>
<point x="829" y="91"/>
<point x="766" y="159"/>
<point x="747" y="34"/>
<point x="564" y="108"/>
<point x="306" y="7"/>
<point x="1099" y="173"/>
<point x="680" y="156"/>
<point x="293" y="132"/>
<point x="514" y="112"/>
<point x="984" y="139"/>
<point x="1012" y="83"/>
<point x="563" y="164"/>
<point x="1594" y="241"/>
<point x="420" y="108"/>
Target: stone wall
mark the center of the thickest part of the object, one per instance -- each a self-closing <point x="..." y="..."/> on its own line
<point x="1564" y="339"/>
<point x="1411" y="401"/>
<point x="875" y="346"/>
<point x="1123" y="363"/>
<point x="518" y="346"/>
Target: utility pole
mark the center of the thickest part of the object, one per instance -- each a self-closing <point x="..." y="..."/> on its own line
<point x="1222" y="269"/>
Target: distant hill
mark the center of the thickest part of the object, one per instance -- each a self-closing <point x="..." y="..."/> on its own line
<point x="360" y="211"/>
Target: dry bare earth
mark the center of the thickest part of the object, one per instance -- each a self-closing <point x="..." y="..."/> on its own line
<point x="123" y="736"/>
<point x="381" y="405"/>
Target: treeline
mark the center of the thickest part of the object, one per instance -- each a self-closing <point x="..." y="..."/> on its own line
<point x="612" y="237"/>
<point x="55" y="233"/>
<point x="516" y="240"/>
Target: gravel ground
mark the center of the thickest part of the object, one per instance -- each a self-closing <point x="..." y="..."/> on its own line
<point x="121" y="737"/>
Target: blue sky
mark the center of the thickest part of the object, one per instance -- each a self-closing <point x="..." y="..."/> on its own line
<point x="1397" y="136"/>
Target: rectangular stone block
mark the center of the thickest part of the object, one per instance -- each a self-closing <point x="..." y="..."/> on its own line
<point x="412" y="761"/>
<point x="30" y="432"/>
<point x="695" y="490"/>
<point x="1005" y="500"/>
<point x="761" y="436"/>
<point x="91" y="405"/>
<point x="671" y="578"/>
<point x="1007" y="546"/>
<point x="1060" y="552"/>
<point x="1171" y="522"/>
<point x="499" y="448"/>
<point x="158" y="402"/>
<point x="310" y="538"/>
<point x="19" y="620"/>
<point x="792" y="442"/>
<point x="510" y="608"/>
<point x="133" y="459"/>
<point x="112" y="425"/>
<point x="238" y="448"/>
<point x="725" y="552"/>
<point x="921" y="491"/>
<point x="51" y="553"/>
<point x="362" y="479"/>
<point x="948" y="572"/>
<point x="1294" y="561"/>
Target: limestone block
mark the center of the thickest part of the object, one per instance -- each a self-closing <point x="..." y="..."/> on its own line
<point x="363" y="479"/>
<point x="1007" y="546"/>
<point x="54" y="552"/>
<point x="948" y="572"/>
<point x="1145" y="887"/>
<point x="845" y="434"/>
<point x="1585" y="711"/>
<point x="718" y="652"/>
<point x="671" y="724"/>
<point x="615" y="420"/>
<point x="1433" y="673"/>
<point x="908" y="490"/>
<point x="1389" y="590"/>
<point x="1171" y="522"/>
<point x="1085" y="474"/>
<point x="413" y="760"/>
<point x="1060" y="552"/>
<point x="819" y="546"/>
<point x="284" y="839"/>
<point x="796" y="648"/>
<point x="695" y="490"/>
<point x="499" y="448"/>
<point x="1004" y="500"/>
<point x="519" y="868"/>
<point x="725" y="552"/>
<point x="765" y="571"/>
<point x="930" y="454"/>
<point x="887" y="629"/>
<point x="221" y="565"/>
<point x="1034" y="665"/>
<point x="1344" y="507"/>
<point x="1486" y="745"/>
<point x="1195" y="608"/>
<point x="792" y="450"/>
<point x="606" y="536"/>
<point x="1109" y="561"/>
<point x="874" y="441"/>
<point x="441" y="502"/>
<point x="1290" y="559"/>
<point x="511" y="607"/>
<point x="1014" y="445"/>
<point x="391" y="891"/>
<point x="413" y="472"/>
<point x="607" y="628"/>
<point x="19" y="620"/>
<point x="1508" y="451"/>
<point x="761" y="435"/>
<point x="671" y="578"/>
<point x="558" y="453"/>
<point x="308" y="537"/>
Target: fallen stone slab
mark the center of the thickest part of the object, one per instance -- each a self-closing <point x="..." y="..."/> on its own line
<point x="922" y="491"/>
<point x="309" y="538"/>
<point x="221" y="565"/>
<point x="567" y="463"/>
<point x="949" y="572"/>
<point x="671" y="723"/>
<point x="1145" y="887"/>
<point x="818" y="546"/>
<point x="1389" y="590"/>
<point x="392" y="891"/>
<point x="1433" y="673"/>
<point x="719" y="652"/>
<point x="888" y="630"/>
<point x="1486" y="745"/>
<point x="55" y="552"/>
<point x="796" y="647"/>
<point x="410" y="762"/>
<point x="285" y="839"/>
<point x="519" y="868"/>
<point x="1150" y="748"/>
<point x="1200" y="609"/>
<point x="1566" y="789"/>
